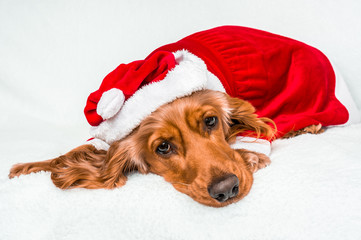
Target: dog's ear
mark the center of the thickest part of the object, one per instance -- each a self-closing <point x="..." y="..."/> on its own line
<point x="79" y="168"/>
<point x="87" y="167"/>
<point x="243" y="118"/>
<point x="122" y="157"/>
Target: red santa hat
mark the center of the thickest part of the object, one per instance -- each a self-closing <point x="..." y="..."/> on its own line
<point x="133" y="91"/>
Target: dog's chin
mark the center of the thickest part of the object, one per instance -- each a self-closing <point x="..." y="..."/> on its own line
<point x="214" y="203"/>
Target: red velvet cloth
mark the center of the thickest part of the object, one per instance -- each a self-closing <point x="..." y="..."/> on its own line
<point x="286" y="80"/>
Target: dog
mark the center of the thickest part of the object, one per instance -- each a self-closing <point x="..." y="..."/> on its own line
<point x="191" y="137"/>
<point x="186" y="141"/>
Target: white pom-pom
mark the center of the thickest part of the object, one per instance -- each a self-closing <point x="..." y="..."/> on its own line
<point x="110" y="103"/>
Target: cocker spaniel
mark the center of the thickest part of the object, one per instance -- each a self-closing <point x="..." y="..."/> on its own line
<point x="184" y="112"/>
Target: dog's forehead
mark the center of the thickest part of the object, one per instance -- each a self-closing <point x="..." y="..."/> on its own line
<point x="183" y="110"/>
<point x="188" y="109"/>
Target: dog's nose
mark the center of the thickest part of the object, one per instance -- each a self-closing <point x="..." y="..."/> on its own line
<point x="224" y="188"/>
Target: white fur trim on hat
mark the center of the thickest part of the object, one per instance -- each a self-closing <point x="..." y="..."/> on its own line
<point x="252" y="144"/>
<point x="189" y="75"/>
<point x="98" y="144"/>
<point x="110" y="103"/>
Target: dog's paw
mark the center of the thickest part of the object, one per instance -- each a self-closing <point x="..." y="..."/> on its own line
<point x="255" y="160"/>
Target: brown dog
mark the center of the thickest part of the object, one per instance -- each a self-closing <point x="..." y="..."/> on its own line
<point x="176" y="112"/>
<point x="186" y="141"/>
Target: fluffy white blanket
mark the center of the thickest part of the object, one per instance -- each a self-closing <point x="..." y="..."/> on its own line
<point x="310" y="191"/>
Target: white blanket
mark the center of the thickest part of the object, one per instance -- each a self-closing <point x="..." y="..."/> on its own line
<point x="310" y="191"/>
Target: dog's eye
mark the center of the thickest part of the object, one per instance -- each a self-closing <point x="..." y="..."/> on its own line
<point x="211" y="122"/>
<point x="164" y="148"/>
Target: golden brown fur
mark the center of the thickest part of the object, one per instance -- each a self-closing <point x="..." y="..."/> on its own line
<point x="196" y="154"/>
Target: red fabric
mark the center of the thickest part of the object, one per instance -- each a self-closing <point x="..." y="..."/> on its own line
<point x="129" y="78"/>
<point x="286" y="80"/>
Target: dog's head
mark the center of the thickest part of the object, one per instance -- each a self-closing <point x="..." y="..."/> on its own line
<point x="187" y="142"/>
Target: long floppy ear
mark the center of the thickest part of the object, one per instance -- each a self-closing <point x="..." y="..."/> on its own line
<point x="87" y="167"/>
<point x="78" y="168"/>
<point x="243" y="119"/>
<point x="123" y="157"/>
<point x="98" y="169"/>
